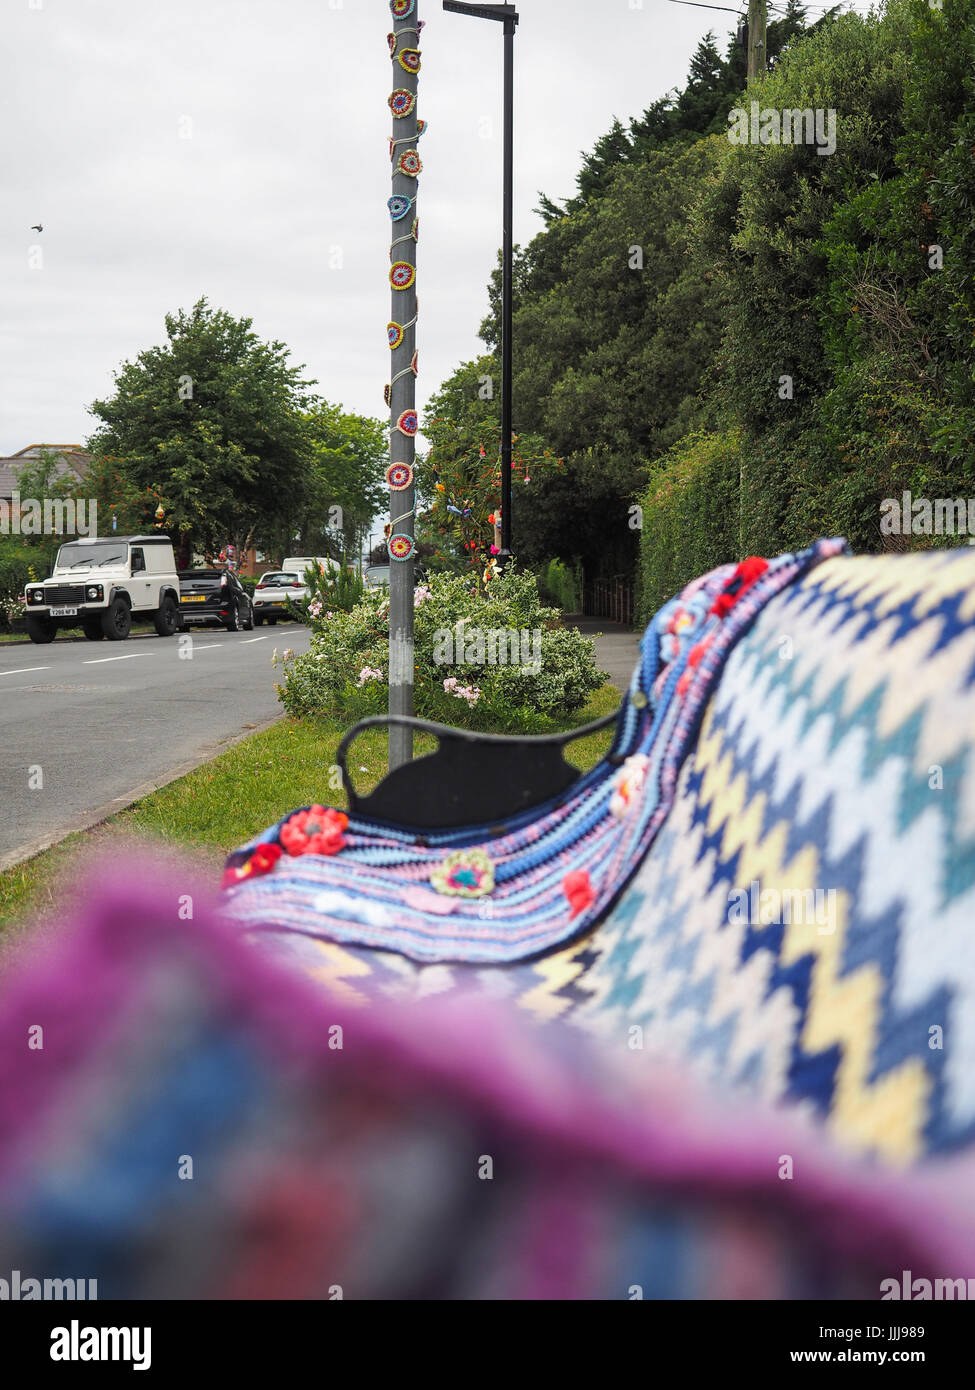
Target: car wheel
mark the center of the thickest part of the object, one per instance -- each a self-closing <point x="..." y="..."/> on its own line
<point x="272" y="622"/>
<point x="166" y="620"/>
<point x="117" y="620"/>
<point x="249" y="617"/>
<point x="93" y="631"/>
<point x="40" y="629"/>
<point x="233" y="622"/>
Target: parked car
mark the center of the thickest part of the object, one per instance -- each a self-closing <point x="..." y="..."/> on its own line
<point x="272" y="594"/>
<point x="214" y="596"/>
<point x="376" y="576"/>
<point x="100" y="583"/>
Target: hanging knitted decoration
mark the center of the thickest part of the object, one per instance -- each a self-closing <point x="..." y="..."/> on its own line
<point x="395" y="332"/>
<point x="410" y="164"/>
<point x="415" y="363"/>
<point x="402" y="9"/>
<point x="399" y="476"/>
<point x="399" y="207"/>
<point x="408" y="423"/>
<point x="402" y="275"/>
<point x="391" y="40"/>
<point x="387" y="392"/>
<point x="401" y="547"/>
<point x="409" y="59"/>
<point x="401" y="103"/>
<point x="420" y="128"/>
<point x="415" y="230"/>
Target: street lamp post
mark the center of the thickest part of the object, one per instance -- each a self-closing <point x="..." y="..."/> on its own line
<point x="508" y="15"/>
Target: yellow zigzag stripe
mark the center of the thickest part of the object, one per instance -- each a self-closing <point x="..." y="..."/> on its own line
<point x="556" y="972"/>
<point x="888" y="1116"/>
<point x="926" y="576"/>
<point x="336" y="969"/>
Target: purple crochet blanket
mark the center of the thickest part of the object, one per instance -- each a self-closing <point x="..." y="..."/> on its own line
<point x="179" y="1118"/>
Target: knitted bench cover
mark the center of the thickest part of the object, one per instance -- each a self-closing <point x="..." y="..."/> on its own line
<point x="502" y="893"/>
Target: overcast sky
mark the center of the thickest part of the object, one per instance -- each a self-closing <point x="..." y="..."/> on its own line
<point x="284" y="102"/>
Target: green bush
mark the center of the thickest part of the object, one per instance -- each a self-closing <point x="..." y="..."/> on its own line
<point x="691" y="516"/>
<point x="561" y="584"/>
<point x="345" y="672"/>
<point x="19" y="565"/>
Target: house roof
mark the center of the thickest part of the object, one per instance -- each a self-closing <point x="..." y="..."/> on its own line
<point x="71" y="458"/>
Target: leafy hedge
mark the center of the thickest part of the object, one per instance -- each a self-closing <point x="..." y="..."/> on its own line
<point x="344" y="673"/>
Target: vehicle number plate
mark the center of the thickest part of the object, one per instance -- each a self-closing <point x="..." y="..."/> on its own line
<point x="64" y="612"/>
<point x="194" y="598"/>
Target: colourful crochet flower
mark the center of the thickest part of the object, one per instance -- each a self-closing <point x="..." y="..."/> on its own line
<point x="410" y="164"/>
<point x="402" y="9"/>
<point x="409" y="58"/>
<point x="402" y="275"/>
<point x="578" y="888"/>
<point x="399" y="476"/>
<point x="395" y="333"/>
<point x="262" y="861"/>
<point x="465" y="873"/>
<point x="408" y="423"/>
<point x="315" y="831"/>
<point x="747" y="573"/>
<point x="401" y="547"/>
<point x="628" y="784"/>
<point x="401" y="102"/>
<point x="398" y="206"/>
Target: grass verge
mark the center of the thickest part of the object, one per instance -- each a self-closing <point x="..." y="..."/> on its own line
<point x="225" y="802"/>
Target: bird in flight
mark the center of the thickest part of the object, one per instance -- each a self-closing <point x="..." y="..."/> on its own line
<point x="37" y="227"/>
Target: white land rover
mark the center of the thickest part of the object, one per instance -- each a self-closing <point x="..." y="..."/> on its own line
<point x="100" y="582"/>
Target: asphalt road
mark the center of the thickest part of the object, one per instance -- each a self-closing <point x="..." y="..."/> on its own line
<point x="101" y="720"/>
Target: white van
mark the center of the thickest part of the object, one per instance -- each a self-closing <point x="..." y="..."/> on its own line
<point x="100" y="582"/>
<point x="299" y="563"/>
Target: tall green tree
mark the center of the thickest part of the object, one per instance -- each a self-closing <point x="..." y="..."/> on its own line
<point x="213" y="422"/>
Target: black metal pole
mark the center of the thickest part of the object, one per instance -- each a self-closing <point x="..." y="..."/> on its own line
<point x="509" y="16"/>
<point x="506" y="291"/>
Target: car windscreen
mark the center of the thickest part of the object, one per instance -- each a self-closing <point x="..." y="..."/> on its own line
<point x="282" y="578"/>
<point x="74" y="555"/>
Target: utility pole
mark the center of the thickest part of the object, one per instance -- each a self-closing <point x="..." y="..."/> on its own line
<point x="401" y="333"/>
<point x="508" y="16"/>
<point x="757" y="25"/>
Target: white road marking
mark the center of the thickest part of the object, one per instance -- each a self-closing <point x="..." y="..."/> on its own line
<point x="100" y="660"/>
<point x="21" y="670"/>
<point x="255" y="639"/>
<point x="210" y="646"/>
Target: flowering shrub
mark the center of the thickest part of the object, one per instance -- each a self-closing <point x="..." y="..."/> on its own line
<point x="544" y="672"/>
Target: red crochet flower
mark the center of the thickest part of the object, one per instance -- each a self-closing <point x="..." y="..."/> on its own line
<point x="738" y="585"/>
<point x="315" y="831"/>
<point x="262" y="861"/>
<point x="579" y="891"/>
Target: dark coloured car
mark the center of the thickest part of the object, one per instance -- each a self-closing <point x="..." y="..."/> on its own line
<point x="214" y="596"/>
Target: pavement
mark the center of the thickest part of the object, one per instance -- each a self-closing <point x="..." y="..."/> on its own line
<point x="96" y="725"/>
<point x="617" y="647"/>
